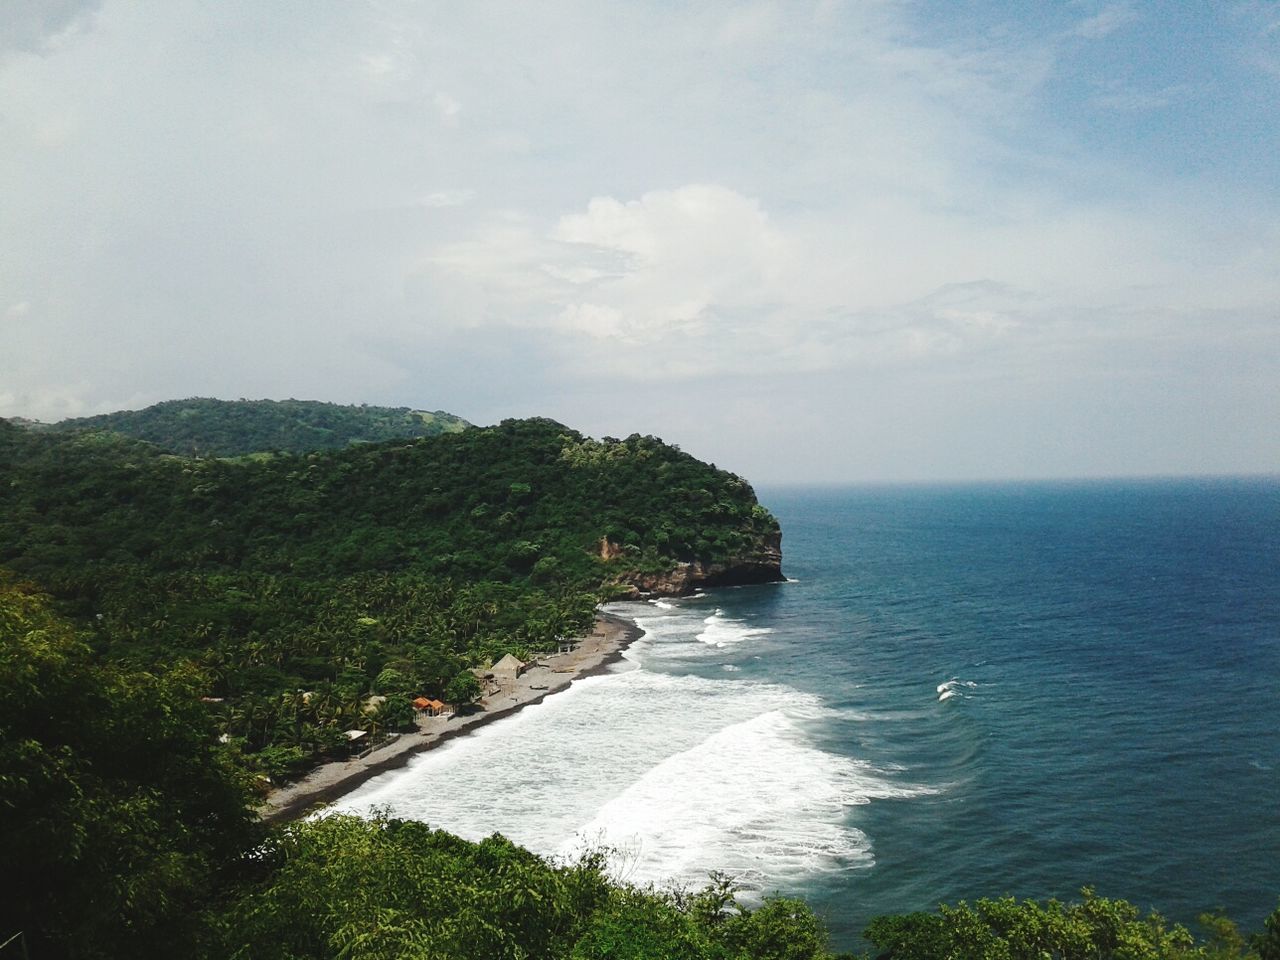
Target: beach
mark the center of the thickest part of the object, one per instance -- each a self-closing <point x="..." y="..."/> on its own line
<point x="545" y="675"/>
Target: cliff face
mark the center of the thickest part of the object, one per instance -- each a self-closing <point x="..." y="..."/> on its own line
<point x="763" y="564"/>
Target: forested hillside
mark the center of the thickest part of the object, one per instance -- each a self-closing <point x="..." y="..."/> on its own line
<point x="228" y="428"/>
<point x="376" y="570"/>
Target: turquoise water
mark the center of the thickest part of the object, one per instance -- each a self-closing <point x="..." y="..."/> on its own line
<point x="965" y="691"/>
<point x="1114" y="723"/>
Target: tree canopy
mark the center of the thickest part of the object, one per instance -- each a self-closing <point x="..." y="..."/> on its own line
<point x="303" y="584"/>
<point x="118" y="807"/>
<point x="206" y="427"/>
<point x="344" y="886"/>
<point x="1093" y="928"/>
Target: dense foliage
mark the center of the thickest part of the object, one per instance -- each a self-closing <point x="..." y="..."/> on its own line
<point x="305" y="584"/>
<point x="228" y="428"/>
<point x="343" y="886"/>
<point x="118" y="808"/>
<point x="523" y="501"/>
<point x="1096" y="928"/>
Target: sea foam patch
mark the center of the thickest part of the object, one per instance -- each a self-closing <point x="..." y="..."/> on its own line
<point x="684" y="773"/>
<point x="954" y="687"/>
<point x="721" y="631"/>
<point x="753" y="799"/>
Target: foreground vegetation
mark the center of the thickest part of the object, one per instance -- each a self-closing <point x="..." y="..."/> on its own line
<point x="170" y="627"/>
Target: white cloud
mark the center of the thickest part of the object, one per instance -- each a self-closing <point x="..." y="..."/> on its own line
<point x="594" y="320"/>
<point x="674" y="262"/>
<point x="1106" y="22"/>
<point x="1124" y="100"/>
<point x="576" y="275"/>
<point x="356" y="205"/>
<point x="378" y="64"/>
<point x="448" y="198"/>
<point x="750" y="24"/>
<point x="448" y="108"/>
<point x="37" y="26"/>
<point x="51" y="402"/>
<point x="705" y="281"/>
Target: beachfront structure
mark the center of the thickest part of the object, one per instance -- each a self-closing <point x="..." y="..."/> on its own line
<point x="430" y="708"/>
<point x="507" y="669"/>
<point x="488" y="685"/>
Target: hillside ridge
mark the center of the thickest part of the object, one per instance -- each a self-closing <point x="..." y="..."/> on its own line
<point x="205" y="426"/>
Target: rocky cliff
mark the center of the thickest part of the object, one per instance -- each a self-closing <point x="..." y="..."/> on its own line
<point x="763" y="564"/>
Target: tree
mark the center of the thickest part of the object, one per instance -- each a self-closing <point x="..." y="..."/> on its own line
<point x="639" y="926"/>
<point x="781" y="929"/>
<point x="463" y="689"/>
<point x="396" y="712"/>
<point x="343" y="886"/>
<point x="119" y="812"/>
<point x="1267" y="943"/>
<point x="1006" y="929"/>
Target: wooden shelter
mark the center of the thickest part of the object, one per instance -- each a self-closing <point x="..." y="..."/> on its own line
<point x="431" y="708"/>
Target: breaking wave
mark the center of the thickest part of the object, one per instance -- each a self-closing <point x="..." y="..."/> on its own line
<point x="682" y="773"/>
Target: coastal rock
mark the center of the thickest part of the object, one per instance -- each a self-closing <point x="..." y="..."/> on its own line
<point x="610" y="550"/>
<point x="762" y="565"/>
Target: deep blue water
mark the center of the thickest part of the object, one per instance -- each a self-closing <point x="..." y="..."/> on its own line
<point x="1122" y="729"/>
<point x="966" y="691"/>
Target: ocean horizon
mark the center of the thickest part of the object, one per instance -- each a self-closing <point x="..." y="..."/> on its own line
<point x="966" y="690"/>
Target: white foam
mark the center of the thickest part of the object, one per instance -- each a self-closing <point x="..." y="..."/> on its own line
<point x="956" y="682"/>
<point x="722" y="631"/>
<point x="685" y="773"/>
<point x="951" y="688"/>
<point x="753" y="799"/>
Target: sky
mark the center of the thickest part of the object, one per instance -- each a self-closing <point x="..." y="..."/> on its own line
<point x="808" y="241"/>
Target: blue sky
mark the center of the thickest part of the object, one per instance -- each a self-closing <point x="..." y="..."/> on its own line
<point x="814" y="241"/>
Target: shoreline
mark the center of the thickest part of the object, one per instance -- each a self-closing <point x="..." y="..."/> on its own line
<point x="545" y="675"/>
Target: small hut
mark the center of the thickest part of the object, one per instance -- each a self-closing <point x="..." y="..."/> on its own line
<point x="488" y="685"/>
<point x="507" y="669"/>
<point x="355" y="738"/>
<point x="428" y="708"/>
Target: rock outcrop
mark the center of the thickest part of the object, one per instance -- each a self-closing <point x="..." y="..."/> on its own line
<point x="762" y="565"/>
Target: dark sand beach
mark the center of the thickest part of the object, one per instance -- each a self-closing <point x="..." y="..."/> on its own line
<point x="548" y="674"/>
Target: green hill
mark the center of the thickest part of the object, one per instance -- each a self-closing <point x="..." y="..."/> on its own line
<point x="229" y="428"/>
<point x="528" y="500"/>
<point x="379" y="569"/>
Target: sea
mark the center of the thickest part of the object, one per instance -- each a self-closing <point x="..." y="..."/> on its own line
<point x="961" y="691"/>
